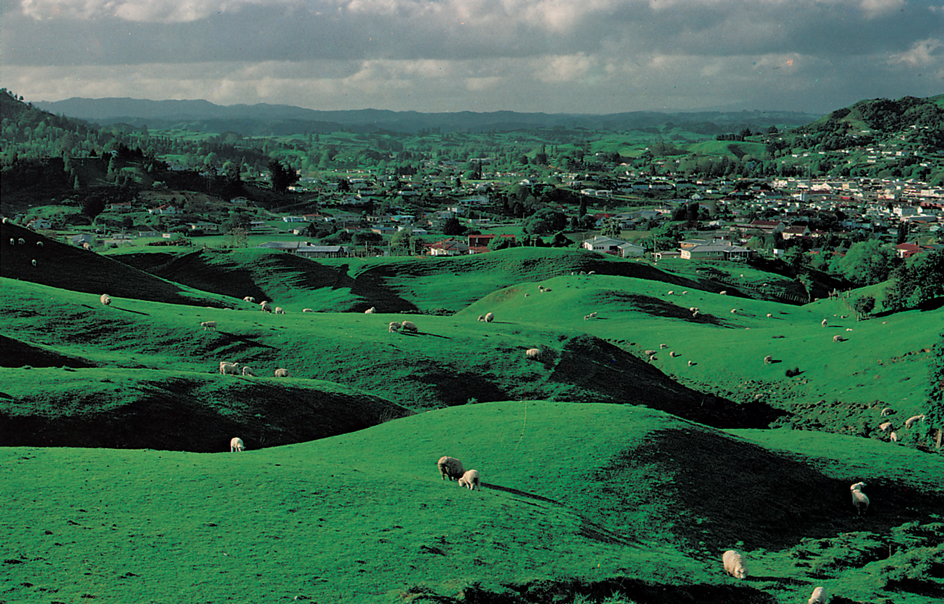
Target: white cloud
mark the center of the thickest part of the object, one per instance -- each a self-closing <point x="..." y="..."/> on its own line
<point x="922" y="53"/>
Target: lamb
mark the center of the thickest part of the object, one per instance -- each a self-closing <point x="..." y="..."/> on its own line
<point x="734" y="311"/>
<point x="893" y="437"/>
<point x="86" y="246"/>
<point x="278" y="310"/>
<point x="692" y="363"/>
<point x="887" y="411"/>
<point x="227" y="368"/>
<point x="649" y="353"/>
<point x="673" y="354"/>
<point x="409" y="326"/>
<point x="734" y="564"/>
<point x="671" y="292"/>
<point x="859" y="499"/>
<point x="824" y="323"/>
<point x="818" y="597"/>
<point x="280" y="372"/>
<point x="264" y="306"/>
<point x="370" y="310"/>
<point x="481" y="318"/>
<point x="248" y="372"/>
<point x="770" y="315"/>
<point x="208" y="325"/>
<point x="393" y="327"/>
<point x="249" y="299"/>
<point x="838" y="339"/>
<point x="106" y="299"/>
<point x="911" y="420"/>
<point x="236" y="445"/>
<point x="885" y="426"/>
<point x="723" y="292"/>
<point x="489" y="317"/>
<point x="470" y="480"/>
<point x="593" y="315"/>
<point x="450" y="467"/>
<point x="533" y="353"/>
<point x="768" y="360"/>
<point x="663" y="346"/>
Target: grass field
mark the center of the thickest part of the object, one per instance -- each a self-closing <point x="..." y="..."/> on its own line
<point x="607" y="477"/>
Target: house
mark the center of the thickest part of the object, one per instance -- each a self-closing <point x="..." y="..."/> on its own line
<point x="909" y="249"/>
<point x="631" y="250"/>
<point x="82" y="239"/>
<point x="121" y="206"/>
<point x="448" y="247"/>
<point x="478" y="244"/>
<point x="796" y="231"/>
<point x="601" y="243"/>
<point x="323" y="251"/>
<point x="38" y="223"/>
<point x="164" y="209"/>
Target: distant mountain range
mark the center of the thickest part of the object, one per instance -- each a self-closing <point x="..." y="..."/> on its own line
<point x="264" y="119"/>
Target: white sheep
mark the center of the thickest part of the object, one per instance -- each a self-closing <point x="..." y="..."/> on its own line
<point x="887" y="411"/>
<point x="86" y="246"/>
<point x="663" y="346"/>
<point x="911" y="420"/>
<point x="227" y="368"/>
<point x="673" y="354"/>
<point x="370" y="310"/>
<point x="106" y="299"/>
<point x="723" y="292"/>
<point x="278" y="310"/>
<point x="649" y="353"/>
<point x="489" y="317"/>
<point x="885" y="426"/>
<point x="734" y="311"/>
<point x="770" y="315"/>
<point x="695" y="314"/>
<point x="307" y="310"/>
<point x="768" y="360"/>
<point x="481" y="317"/>
<point x="248" y="372"/>
<point x="818" y="597"/>
<point x="264" y="306"/>
<point x="692" y="363"/>
<point x="236" y="444"/>
<point x="33" y="261"/>
<point x="533" y="353"/>
<point x="893" y="437"/>
<point x="470" y="480"/>
<point x="409" y="326"/>
<point x="208" y="325"/>
<point x="39" y="244"/>
<point x="838" y="339"/>
<point x="546" y="289"/>
<point x="249" y="299"/>
<point x="859" y="499"/>
<point x="734" y="564"/>
<point x="825" y="323"/>
<point x="21" y="241"/>
<point x="12" y="241"/>
<point x="393" y="327"/>
<point x="281" y="372"/>
<point x="593" y="315"/>
<point x="671" y="292"/>
<point x="450" y="467"/>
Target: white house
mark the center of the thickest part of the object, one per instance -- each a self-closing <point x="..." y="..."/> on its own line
<point x="604" y="244"/>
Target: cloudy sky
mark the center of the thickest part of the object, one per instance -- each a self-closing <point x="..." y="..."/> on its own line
<point x="553" y="56"/>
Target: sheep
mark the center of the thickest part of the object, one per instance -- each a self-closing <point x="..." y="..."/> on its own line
<point x="208" y="325"/>
<point x="227" y="368"/>
<point x="692" y="363"/>
<point x="887" y="411"/>
<point x="825" y="323"/>
<point x="33" y="261"/>
<point x="546" y="289"/>
<point x="393" y="327"/>
<point x="591" y="272"/>
<point x="695" y="314"/>
<point x="450" y="467"/>
<point x="249" y="299"/>
<point x="671" y="292"/>
<point x="106" y="299"/>
<point x="21" y="241"/>
<point x="307" y="310"/>
<point x="770" y="315"/>
<point x="839" y="339"/>
<point x="370" y="310"/>
<point x="39" y="244"/>
<point x="533" y="353"/>
<point x="12" y="241"/>
<point x="911" y="420"/>
<point x="409" y="326"/>
<point x="768" y="360"/>
<point x="86" y="246"/>
<point x="818" y="597"/>
<point x="859" y="499"/>
<point x="593" y="315"/>
<point x="481" y="318"/>
<point x="684" y="292"/>
<point x="885" y="426"/>
<point x="692" y="308"/>
<point x="247" y="372"/>
<point x="264" y="306"/>
<point x="279" y="310"/>
<point x="663" y="346"/>
<point x="649" y="353"/>
<point x="489" y="317"/>
<point x="734" y="311"/>
<point x="470" y="480"/>
<point x="281" y="372"/>
<point x="723" y="292"/>
<point x="734" y="564"/>
<point x="893" y="437"/>
<point x="673" y="354"/>
<point x="236" y="445"/>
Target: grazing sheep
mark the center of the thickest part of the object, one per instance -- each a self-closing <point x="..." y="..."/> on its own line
<point x="671" y="292"/>
<point x="848" y="329"/>
<point x="21" y="241"/>
<point x="481" y="318"/>
<point x="526" y="295"/>
<point x="911" y="420"/>
<point x="770" y="316"/>
<point x="489" y="317"/>
<point x="533" y="353"/>
<point x="33" y="262"/>
<point x="692" y="363"/>
<point x="540" y="288"/>
<point x="591" y="272"/>
<point x="470" y="480"/>
<point x="593" y="315"/>
<point x="248" y="372"/>
<point x="393" y="327"/>
<point x="838" y="339"/>
<point x="768" y="360"/>
<point x="307" y="310"/>
<point x="885" y="426"/>
<point x="249" y="299"/>
<point x="649" y="353"/>
<point x="208" y="325"/>
<point x="236" y="444"/>
<point x="86" y="246"/>
<point x="893" y="437"/>
<point x="859" y="499"/>
<point x="723" y="292"/>
<point x="227" y="368"/>
<point x="106" y="299"/>
<point x="546" y="289"/>
<point x="684" y="292"/>
<point x="673" y="354"/>
<point x="12" y="241"/>
<point x="663" y="346"/>
<point x="409" y="326"/>
<point x="264" y="306"/>
<point x="280" y="372"/>
<point x="450" y="467"/>
<point x="695" y="314"/>
<point x="279" y="310"/>
<point x="370" y="310"/>
<point x="887" y="411"/>
<point x="39" y="244"/>
<point x="824" y="323"/>
<point x="692" y="308"/>
<point x="734" y="311"/>
<point x="734" y="564"/>
<point x="818" y="597"/>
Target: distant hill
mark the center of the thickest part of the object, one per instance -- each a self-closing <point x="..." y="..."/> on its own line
<point x="285" y="119"/>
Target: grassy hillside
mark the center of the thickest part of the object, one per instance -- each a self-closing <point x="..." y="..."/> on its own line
<point x="565" y="510"/>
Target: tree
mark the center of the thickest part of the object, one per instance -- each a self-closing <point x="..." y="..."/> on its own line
<point x="452" y="226"/>
<point x="545" y="221"/>
<point x="611" y="228"/>
<point x="281" y="177"/>
<point x="863" y="306"/>
<point x="867" y="262"/>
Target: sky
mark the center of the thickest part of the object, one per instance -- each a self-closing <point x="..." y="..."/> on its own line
<point x="551" y="56"/>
